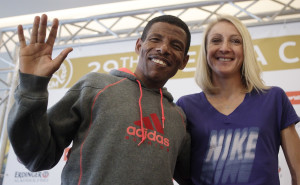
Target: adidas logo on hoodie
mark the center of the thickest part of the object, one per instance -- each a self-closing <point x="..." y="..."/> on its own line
<point x="152" y="135"/>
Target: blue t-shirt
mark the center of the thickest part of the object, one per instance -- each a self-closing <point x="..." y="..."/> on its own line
<point x="241" y="148"/>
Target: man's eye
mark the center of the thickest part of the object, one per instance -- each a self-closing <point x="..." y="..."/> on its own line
<point x="178" y="47"/>
<point x="154" y="39"/>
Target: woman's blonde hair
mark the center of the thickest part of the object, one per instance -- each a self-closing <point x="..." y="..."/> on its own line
<point x="250" y="70"/>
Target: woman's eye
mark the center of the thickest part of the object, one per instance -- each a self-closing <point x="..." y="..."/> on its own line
<point x="236" y="41"/>
<point x="215" y="40"/>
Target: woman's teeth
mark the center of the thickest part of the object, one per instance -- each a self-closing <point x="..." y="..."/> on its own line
<point x="225" y="59"/>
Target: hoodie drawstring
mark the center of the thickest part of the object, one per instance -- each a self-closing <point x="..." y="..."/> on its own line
<point x="162" y="108"/>
<point x="141" y="111"/>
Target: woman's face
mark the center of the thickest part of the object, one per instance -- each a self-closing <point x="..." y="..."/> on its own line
<point x="225" y="54"/>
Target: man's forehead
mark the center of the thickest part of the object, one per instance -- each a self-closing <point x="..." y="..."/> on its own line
<point x="167" y="27"/>
<point x="158" y="24"/>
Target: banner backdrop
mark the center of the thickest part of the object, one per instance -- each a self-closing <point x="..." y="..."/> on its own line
<point x="277" y="49"/>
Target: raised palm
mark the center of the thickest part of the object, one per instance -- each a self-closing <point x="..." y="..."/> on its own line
<point x="36" y="57"/>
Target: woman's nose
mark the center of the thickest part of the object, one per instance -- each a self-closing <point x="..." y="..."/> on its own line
<point x="225" y="46"/>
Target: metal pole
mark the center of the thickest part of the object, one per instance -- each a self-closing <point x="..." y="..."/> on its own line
<point x="4" y="136"/>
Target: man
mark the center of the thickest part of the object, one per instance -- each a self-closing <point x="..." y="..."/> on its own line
<point x="124" y="127"/>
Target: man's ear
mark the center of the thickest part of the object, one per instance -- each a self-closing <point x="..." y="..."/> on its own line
<point x="184" y="63"/>
<point x="138" y="46"/>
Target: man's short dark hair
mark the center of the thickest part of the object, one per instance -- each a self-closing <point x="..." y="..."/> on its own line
<point x="171" y="20"/>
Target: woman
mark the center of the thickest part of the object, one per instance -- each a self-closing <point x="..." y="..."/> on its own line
<point x="237" y="123"/>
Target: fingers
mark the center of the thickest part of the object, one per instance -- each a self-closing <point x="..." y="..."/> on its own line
<point x="39" y="30"/>
<point x="62" y="56"/>
<point x="53" y="32"/>
<point x="35" y="28"/>
<point x="42" y="29"/>
<point x="21" y="36"/>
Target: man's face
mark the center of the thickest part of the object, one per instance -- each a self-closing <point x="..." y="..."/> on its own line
<point x="161" y="54"/>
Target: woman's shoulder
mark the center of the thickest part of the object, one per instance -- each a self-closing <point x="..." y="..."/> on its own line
<point x="270" y="90"/>
<point x="276" y="90"/>
<point x="192" y="96"/>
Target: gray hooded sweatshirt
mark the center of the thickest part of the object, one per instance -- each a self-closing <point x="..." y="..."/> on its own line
<point x="101" y="116"/>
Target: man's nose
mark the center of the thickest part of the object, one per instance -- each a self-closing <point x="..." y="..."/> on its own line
<point x="163" y="48"/>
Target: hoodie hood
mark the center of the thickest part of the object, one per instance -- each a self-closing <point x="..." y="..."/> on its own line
<point x="124" y="72"/>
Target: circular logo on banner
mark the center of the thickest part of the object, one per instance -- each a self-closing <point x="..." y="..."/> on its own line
<point x="62" y="77"/>
<point x="45" y="174"/>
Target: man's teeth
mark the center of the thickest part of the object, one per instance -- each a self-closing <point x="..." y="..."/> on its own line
<point x="159" y="62"/>
<point x="225" y="59"/>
